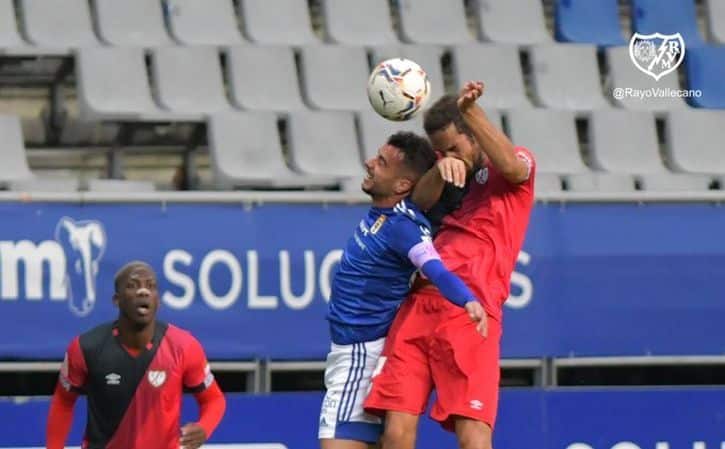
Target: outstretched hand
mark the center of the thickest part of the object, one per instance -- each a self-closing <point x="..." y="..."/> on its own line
<point x="470" y="92"/>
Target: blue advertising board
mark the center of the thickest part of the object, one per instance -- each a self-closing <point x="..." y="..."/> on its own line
<point x="253" y="282"/>
<point x="528" y="419"/>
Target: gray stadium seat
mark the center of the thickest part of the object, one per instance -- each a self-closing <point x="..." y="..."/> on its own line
<point x="335" y="76"/>
<point x="547" y="183"/>
<point x="45" y="185"/>
<point x="211" y="22"/>
<point x="189" y="79"/>
<point x="375" y="130"/>
<point x="500" y="69"/>
<point x="624" y="142"/>
<point x="600" y="182"/>
<point x="285" y="22"/>
<point x="131" y="23"/>
<point x="427" y="56"/>
<point x="324" y="144"/>
<point x="695" y="140"/>
<point x="113" y="85"/>
<point x="58" y="23"/>
<point x="559" y="84"/>
<point x="263" y="78"/>
<point x="426" y="22"/>
<point x="674" y="182"/>
<point x="352" y="22"/>
<point x="624" y="74"/>
<point x="245" y="151"/>
<point x="716" y="20"/>
<point x="14" y="162"/>
<point x="551" y="136"/>
<point x="518" y="22"/>
<point x="119" y="185"/>
<point x="10" y="40"/>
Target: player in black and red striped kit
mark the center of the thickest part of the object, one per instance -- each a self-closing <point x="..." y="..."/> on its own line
<point x="134" y="372"/>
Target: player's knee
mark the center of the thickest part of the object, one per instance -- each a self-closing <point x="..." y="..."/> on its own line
<point x="475" y="442"/>
<point x="398" y="437"/>
<point x="473" y="435"/>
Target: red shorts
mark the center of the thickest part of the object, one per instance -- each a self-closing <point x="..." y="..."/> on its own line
<point x="433" y="343"/>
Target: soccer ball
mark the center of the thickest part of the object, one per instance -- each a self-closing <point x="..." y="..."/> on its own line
<point x="398" y="89"/>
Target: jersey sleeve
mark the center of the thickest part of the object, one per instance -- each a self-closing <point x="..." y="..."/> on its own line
<point x="407" y="237"/>
<point x="197" y="372"/>
<point x="73" y="370"/>
<point x="525" y="155"/>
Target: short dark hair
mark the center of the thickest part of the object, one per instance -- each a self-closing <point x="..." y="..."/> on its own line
<point x="125" y="270"/>
<point x="442" y="113"/>
<point x="418" y="155"/>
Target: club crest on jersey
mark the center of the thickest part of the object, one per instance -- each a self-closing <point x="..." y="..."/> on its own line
<point x="378" y="224"/>
<point x="156" y="378"/>
<point x="482" y="175"/>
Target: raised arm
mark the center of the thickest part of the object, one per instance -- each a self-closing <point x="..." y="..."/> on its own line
<point x="492" y="140"/>
<point x="429" y="188"/>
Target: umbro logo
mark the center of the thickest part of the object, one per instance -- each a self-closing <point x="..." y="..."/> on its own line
<point x="476" y="404"/>
<point x="113" y="379"/>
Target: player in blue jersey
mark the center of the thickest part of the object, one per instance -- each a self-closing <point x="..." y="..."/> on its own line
<point x="389" y="244"/>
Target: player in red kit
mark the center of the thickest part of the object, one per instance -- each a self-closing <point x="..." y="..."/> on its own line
<point x="133" y="372"/>
<point x="435" y="345"/>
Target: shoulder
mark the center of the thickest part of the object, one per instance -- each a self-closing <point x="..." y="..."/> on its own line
<point x="96" y="337"/>
<point x="408" y="214"/>
<point x="181" y="338"/>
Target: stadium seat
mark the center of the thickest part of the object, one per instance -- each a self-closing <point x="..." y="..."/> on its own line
<point x="263" y="78"/>
<point x="518" y="22"/>
<point x="716" y="20"/>
<point x="351" y="22"/>
<point x="58" y="23"/>
<point x="15" y="164"/>
<point x="281" y="22"/>
<point x="551" y="136"/>
<point x="624" y="142"/>
<point x="329" y="71"/>
<point x="245" y="151"/>
<point x="667" y="17"/>
<point x="674" y="182"/>
<point x="600" y="182"/>
<point x="559" y="84"/>
<point x="119" y="185"/>
<point x="211" y="22"/>
<point x="696" y="141"/>
<point x="427" y="56"/>
<point x="189" y="79"/>
<point x="131" y="23"/>
<point x="375" y="130"/>
<point x="547" y="183"/>
<point x="45" y="185"/>
<point x="113" y="85"/>
<point x="624" y="74"/>
<point x="588" y="22"/>
<point x="324" y="143"/>
<point x="705" y="68"/>
<point x="426" y="22"/>
<point x="11" y="42"/>
<point x="499" y="66"/>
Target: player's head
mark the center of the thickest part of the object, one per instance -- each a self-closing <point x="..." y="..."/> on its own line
<point x="400" y="162"/>
<point x="136" y="294"/>
<point x="449" y="134"/>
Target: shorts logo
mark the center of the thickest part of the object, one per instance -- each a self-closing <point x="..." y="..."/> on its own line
<point x="113" y="379"/>
<point x="657" y="54"/>
<point x="476" y="404"/>
<point x="482" y="175"/>
<point x="157" y="378"/>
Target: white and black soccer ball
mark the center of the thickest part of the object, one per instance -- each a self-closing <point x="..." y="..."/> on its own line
<point x="398" y="89"/>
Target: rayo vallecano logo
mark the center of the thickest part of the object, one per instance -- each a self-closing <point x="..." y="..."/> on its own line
<point x="657" y="54"/>
<point x="83" y="244"/>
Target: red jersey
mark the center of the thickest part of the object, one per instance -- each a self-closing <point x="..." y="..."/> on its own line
<point x="481" y="240"/>
<point x="134" y="401"/>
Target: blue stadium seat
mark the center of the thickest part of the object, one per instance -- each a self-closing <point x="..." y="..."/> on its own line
<point x="588" y="21"/>
<point x="705" y="68"/>
<point x="667" y="17"/>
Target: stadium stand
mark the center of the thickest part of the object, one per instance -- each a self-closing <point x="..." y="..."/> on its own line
<point x="15" y="165"/>
<point x="329" y="71"/>
<point x="696" y="141"/>
<point x="518" y="22"/>
<point x="588" y="22"/>
<point x="264" y="24"/>
<point x="132" y="23"/>
<point x="667" y="17"/>
<point x="716" y="20"/>
<point x="705" y="69"/>
<point x="212" y="22"/>
<point x="58" y="23"/>
<point x="425" y="22"/>
<point x="350" y="22"/>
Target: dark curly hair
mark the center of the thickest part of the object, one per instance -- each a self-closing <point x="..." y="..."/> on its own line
<point x="442" y="113"/>
<point x="418" y="154"/>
